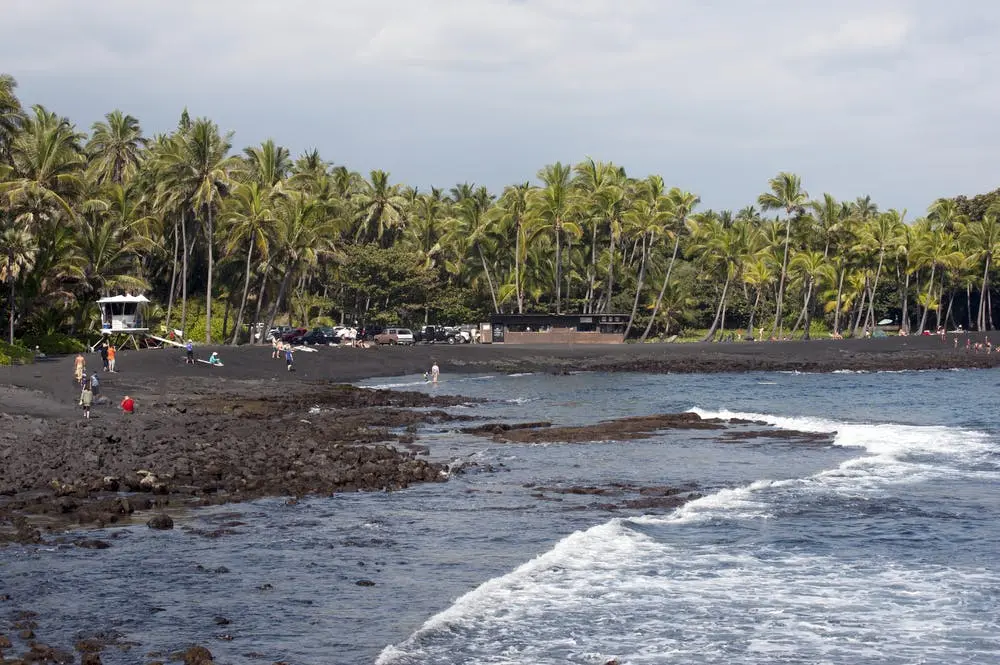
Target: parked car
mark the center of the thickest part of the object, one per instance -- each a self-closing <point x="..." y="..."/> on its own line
<point x="369" y="333"/>
<point x="292" y="333"/>
<point x="277" y="332"/>
<point x="440" y="334"/>
<point x="317" y="336"/>
<point x="395" y="336"/>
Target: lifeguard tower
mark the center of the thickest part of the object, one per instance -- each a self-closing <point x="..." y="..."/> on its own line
<point x="123" y="320"/>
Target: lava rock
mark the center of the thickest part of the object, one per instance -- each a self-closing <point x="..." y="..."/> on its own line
<point x="160" y="521"/>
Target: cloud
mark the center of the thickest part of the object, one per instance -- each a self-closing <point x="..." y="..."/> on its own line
<point x="888" y="98"/>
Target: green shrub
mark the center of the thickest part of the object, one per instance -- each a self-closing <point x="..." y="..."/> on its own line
<point x="14" y="354"/>
<point x="53" y="344"/>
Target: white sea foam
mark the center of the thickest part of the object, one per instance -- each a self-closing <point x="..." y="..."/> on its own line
<point x="629" y="589"/>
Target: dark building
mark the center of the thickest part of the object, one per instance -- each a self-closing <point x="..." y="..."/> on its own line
<point x="558" y="328"/>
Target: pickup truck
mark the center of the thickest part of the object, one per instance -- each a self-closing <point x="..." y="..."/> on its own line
<point x="432" y="334"/>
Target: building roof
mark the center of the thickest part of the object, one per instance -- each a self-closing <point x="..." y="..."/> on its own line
<point x="124" y="299"/>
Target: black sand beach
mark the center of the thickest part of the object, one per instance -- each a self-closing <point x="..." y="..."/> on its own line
<point x="204" y="435"/>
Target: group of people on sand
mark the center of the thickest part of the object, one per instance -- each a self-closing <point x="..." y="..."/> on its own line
<point x="284" y="350"/>
<point x="90" y="384"/>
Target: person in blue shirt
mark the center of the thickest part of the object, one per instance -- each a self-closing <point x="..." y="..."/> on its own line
<point x="288" y="358"/>
<point x="189" y="347"/>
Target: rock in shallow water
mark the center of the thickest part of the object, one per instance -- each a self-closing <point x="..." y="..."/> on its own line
<point x="160" y="521"/>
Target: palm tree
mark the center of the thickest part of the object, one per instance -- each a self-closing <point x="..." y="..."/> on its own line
<point x="786" y="194"/>
<point x="934" y="248"/>
<point x="17" y="253"/>
<point x="474" y="226"/>
<point x="552" y="205"/>
<point x="268" y="165"/>
<point x="303" y="233"/>
<point x="812" y="268"/>
<point x="11" y="115"/>
<point x="381" y="208"/>
<point x="678" y="205"/>
<point x="115" y="148"/>
<point x="512" y="213"/>
<point x="248" y="219"/>
<point x="723" y="249"/>
<point x="880" y="235"/>
<point x="758" y="275"/>
<point x="982" y="240"/>
<point x="47" y="163"/>
<point x="646" y="221"/>
<point x="592" y="181"/>
<point x="201" y="165"/>
<point x="111" y="241"/>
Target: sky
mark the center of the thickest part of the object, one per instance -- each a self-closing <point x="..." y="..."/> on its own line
<point x="893" y="99"/>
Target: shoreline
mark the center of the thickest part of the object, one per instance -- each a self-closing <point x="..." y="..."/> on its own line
<point x="64" y="472"/>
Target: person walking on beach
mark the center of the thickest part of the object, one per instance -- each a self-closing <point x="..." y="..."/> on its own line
<point x="104" y="356"/>
<point x="128" y="405"/>
<point x="435" y="373"/>
<point x="289" y="360"/>
<point x="86" y="399"/>
<point x="79" y="368"/>
<point x="95" y="385"/>
<point x="275" y="344"/>
<point x="112" y="353"/>
<point x="189" y="349"/>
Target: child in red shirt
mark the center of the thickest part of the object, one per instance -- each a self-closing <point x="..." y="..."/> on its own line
<point x="128" y="405"/>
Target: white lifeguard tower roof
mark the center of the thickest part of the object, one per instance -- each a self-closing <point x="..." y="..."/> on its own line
<point x="124" y="299"/>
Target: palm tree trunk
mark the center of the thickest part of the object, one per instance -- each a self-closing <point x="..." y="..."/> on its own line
<point x="184" y="275"/>
<point x="861" y="310"/>
<point x="927" y="307"/>
<point x="260" y="300"/>
<point x="173" y="277"/>
<point x="802" y="312"/>
<point x="718" y="312"/>
<point x="904" y="319"/>
<point x="558" y="270"/>
<point x="781" y="282"/>
<point x="611" y="275"/>
<point x="638" y="288"/>
<point x="243" y="300"/>
<point x="663" y="288"/>
<point x="871" y="302"/>
<point x="753" y="312"/>
<point x="940" y="301"/>
<point x="840" y="295"/>
<point x="489" y="279"/>
<point x="517" y="269"/>
<point x="982" y="294"/>
<point x="277" y="300"/>
<point x="808" y="312"/>
<point x="968" y="306"/>
<point x="10" y="299"/>
<point x="210" y="240"/>
<point x="593" y="267"/>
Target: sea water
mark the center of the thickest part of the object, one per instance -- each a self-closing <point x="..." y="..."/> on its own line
<point x="878" y="547"/>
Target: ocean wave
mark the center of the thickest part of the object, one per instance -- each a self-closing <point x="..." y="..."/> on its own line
<point x="636" y="589"/>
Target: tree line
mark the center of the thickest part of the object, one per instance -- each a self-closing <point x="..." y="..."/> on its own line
<point x="183" y="218"/>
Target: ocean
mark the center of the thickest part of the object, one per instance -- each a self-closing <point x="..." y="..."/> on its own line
<point x="877" y="545"/>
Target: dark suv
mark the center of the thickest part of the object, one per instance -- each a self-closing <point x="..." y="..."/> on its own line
<point x="432" y="334"/>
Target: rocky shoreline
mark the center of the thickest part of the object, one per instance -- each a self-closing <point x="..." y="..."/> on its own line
<point x="180" y="452"/>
